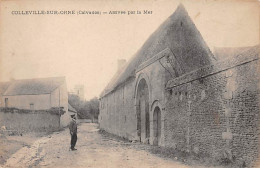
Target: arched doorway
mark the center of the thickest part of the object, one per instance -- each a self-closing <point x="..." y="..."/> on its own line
<point x="143" y="120"/>
<point x="157" y="125"/>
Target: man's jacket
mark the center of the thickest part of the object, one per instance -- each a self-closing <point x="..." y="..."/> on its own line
<point x="73" y="127"/>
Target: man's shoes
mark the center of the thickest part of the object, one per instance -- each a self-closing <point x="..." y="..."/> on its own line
<point x="73" y="149"/>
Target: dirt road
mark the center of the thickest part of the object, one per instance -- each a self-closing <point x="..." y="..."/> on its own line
<point x="11" y="144"/>
<point x="94" y="150"/>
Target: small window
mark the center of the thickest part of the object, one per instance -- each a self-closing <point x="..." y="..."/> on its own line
<point x="32" y="106"/>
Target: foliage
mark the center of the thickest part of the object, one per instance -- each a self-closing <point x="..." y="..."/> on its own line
<point x="53" y="110"/>
<point x="57" y="110"/>
<point x="86" y="109"/>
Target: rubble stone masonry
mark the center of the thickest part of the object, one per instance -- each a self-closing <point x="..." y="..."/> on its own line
<point x="214" y="111"/>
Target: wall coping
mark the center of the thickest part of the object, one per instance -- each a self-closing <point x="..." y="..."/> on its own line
<point x="211" y="69"/>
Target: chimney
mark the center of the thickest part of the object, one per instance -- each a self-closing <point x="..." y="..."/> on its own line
<point x="120" y="64"/>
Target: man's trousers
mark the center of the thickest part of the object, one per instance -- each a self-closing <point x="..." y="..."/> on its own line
<point x="73" y="140"/>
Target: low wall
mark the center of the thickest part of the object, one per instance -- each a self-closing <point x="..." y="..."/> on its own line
<point x="34" y="121"/>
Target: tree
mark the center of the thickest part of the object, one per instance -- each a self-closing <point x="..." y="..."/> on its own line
<point x="75" y="101"/>
<point x="86" y="109"/>
<point x="94" y="107"/>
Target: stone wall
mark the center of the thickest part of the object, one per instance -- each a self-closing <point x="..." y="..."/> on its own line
<point x="214" y="111"/>
<point x="117" y="114"/>
<point x="154" y="74"/>
<point x="32" y="121"/>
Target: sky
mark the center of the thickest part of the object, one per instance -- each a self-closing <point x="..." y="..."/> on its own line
<point x="85" y="48"/>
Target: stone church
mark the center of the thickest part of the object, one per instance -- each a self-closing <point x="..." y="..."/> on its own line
<point x="175" y="93"/>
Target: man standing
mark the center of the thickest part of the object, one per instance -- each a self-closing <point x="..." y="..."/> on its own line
<point x="73" y="132"/>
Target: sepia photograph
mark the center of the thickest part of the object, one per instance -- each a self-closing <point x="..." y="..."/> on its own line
<point x="129" y="84"/>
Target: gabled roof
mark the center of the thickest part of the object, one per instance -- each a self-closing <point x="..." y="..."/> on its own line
<point x="180" y="35"/>
<point x="3" y="87"/>
<point x="33" y="86"/>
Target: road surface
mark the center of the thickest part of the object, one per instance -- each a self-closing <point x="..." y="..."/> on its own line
<point x="94" y="150"/>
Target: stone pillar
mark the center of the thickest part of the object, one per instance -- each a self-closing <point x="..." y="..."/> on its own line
<point x="163" y="110"/>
